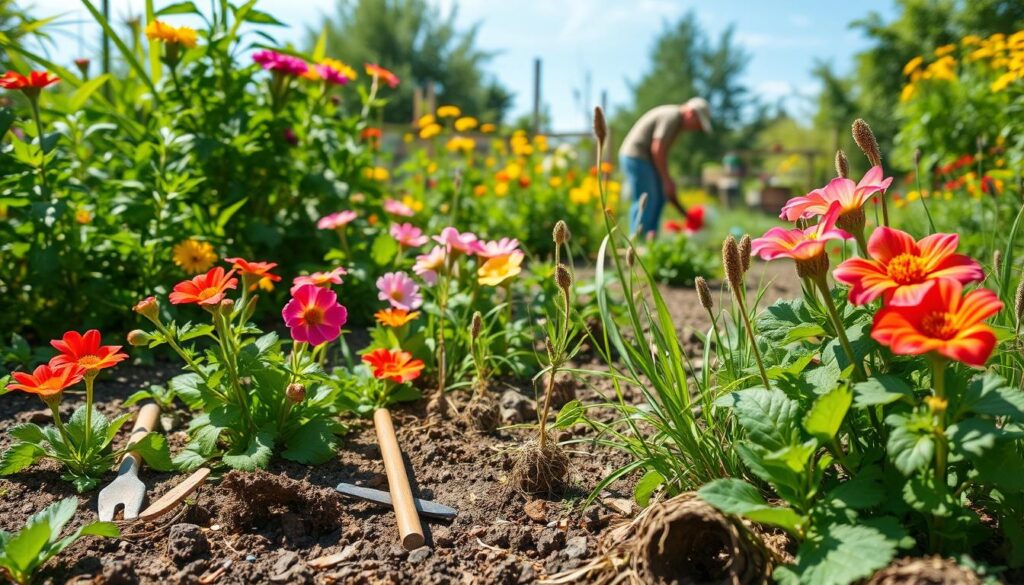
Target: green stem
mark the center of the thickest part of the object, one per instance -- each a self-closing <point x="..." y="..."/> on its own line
<point x="90" y="378"/>
<point x="941" y="445"/>
<point x="837" y="322"/>
<point x="227" y="346"/>
<point x="862" y="243"/>
<point x="34" y="101"/>
<point x="753" y="340"/>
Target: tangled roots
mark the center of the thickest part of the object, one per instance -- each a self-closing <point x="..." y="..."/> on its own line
<point x="927" y="571"/>
<point x="537" y="470"/>
<point x="482" y="413"/>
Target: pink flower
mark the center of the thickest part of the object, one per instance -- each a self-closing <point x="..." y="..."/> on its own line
<point x="408" y="235"/>
<point x="502" y="247"/>
<point x="313" y="315"/>
<point x="399" y="290"/>
<point x="427" y="265"/>
<point x="396" y="207"/>
<point x="466" y="242"/>
<point x="336" y="220"/>
<point x="800" y="244"/>
<point x="321" y="279"/>
<point x="280" y="63"/>
<point x="331" y="75"/>
<point x="850" y="196"/>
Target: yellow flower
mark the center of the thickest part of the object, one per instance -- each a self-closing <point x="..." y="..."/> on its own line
<point x="395" y="317"/>
<point x="425" y="120"/>
<point x="970" y="40"/>
<point x="376" y="173"/>
<point x="264" y="283"/>
<point x="499" y="269"/>
<point x="3" y="212"/>
<point x="340" y="67"/>
<point x="912" y="65"/>
<point x="194" y="256"/>
<point x="83" y="216"/>
<point x="407" y="137"/>
<point x="412" y="203"/>
<point x="430" y="131"/>
<point x="513" y="170"/>
<point x="908" y="92"/>
<point x="448" y="112"/>
<point x="432" y="168"/>
<point x="488" y="128"/>
<point x="555" y="182"/>
<point x="461" y="144"/>
<point x="945" y="50"/>
<point x="1003" y="81"/>
<point x="163" y="32"/>
<point x="480" y="190"/>
<point x="490" y="161"/>
<point x="465" y="123"/>
<point x="501" y="189"/>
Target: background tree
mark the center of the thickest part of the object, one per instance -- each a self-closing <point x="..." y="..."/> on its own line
<point x="420" y="45"/>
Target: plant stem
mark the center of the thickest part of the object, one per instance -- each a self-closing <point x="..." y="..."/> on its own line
<point x="34" y="101"/>
<point x="750" y="334"/>
<point x="547" y="405"/>
<point x="941" y="447"/>
<point x="90" y="378"/>
<point x="837" y="322"/>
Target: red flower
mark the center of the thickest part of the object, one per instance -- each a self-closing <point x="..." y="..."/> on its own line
<point x="206" y="289"/>
<point x="370" y="133"/>
<point x="85" y="351"/>
<point x="257" y="269"/>
<point x="694" y="219"/>
<point x="397" y="366"/>
<point x="673" y="227"/>
<point x="46" y="380"/>
<point x="902" y="270"/>
<point x="36" y="80"/>
<point x="946" y="322"/>
<point x="383" y="74"/>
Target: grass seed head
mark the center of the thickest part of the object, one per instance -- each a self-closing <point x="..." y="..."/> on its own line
<point x="997" y="260"/>
<point x="745" y="246"/>
<point x="600" y="126"/>
<point x="475" y="325"/>
<point x="733" y="263"/>
<point x="703" y="293"/>
<point x="865" y="139"/>
<point x="563" y="278"/>
<point x="561" y="233"/>
<point x="842" y="164"/>
<point x="1018" y="302"/>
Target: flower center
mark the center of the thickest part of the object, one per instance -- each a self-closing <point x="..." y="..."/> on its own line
<point x="939" y="325"/>
<point x="313" y="315"/>
<point x="397" y="295"/>
<point x="208" y="292"/>
<point x="88" y="361"/>
<point x="907" y="269"/>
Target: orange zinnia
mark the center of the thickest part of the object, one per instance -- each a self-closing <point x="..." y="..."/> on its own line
<point x="395" y="317"/>
<point x="35" y="80"/>
<point x="902" y="270"/>
<point x="397" y="366"/>
<point x="46" y="380"/>
<point x="946" y="322"/>
<point x="383" y="74"/>
<point x="85" y="351"/>
<point x="206" y="289"/>
<point x="257" y="269"/>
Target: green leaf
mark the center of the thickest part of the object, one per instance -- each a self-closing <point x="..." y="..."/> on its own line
<point x="843" y="554"/>
<point x="910" y="444"/>
<point x="7" y="118"/>
<point x="827" y="414"/>
<point x="925" y="495"/>
<point x="153" y="448"/>
<point x="1000" y="467"/>
<point x="778" y="321"/>
<point x="734" y="496"/>
<point x="989" y="394"/>
<point x="260" y="17"/>
<point x="569" y="414"/>
<point x="115" y="426"/>
<point x="85" y="91"/>
<point x="384" y="249"/>
<point x="768" y="416"/>
<point x="880" y="390"/>
<point x="20" y="456"/>
<point x="862" y="491"/>
<point x="126" y="53"/>
<point x="256" y="454"/>
<point x="137" y="397"/>
<point x="178" y="8"/>
<point x="57" y="515"/>
<point x="645" y="488"/>
<point x="28" y="433"/>
<point x="24" y="550"/>
<point x="320" y="49"/>
<point x="975" y="436"/>
<point x="793" y="458"/>
<point x="313" y="443"/>
<point x="189" y="459"/>
<point x="107" y="529"/>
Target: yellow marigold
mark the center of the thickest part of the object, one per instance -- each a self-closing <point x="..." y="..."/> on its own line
<point x="163" y="32"/>
<point x="432" y="168"/>
<point x="194" y="256"/>
<point x="480" y="190"/>
<point x="970" y="40"/>
<point x="376" y="173"/>
<point x="430" y="131"/>
<point x="555" y="182"/>
<point x="488" y="128"/>
<point x="945" y="50"/>
<point x="83" y="216"/>
<point x="913" y="65"/>
<point x="395" y="317"/>
<point x="340" y="67"/>
<point x="1004" y="80"/>
<point x="490" y="161"/>
<point x="513" y="170"/>
<point x="425" y="120"/>
<point x="412" y="203"/>
<point x="499" y="269"/>
<point x="461" y="144"/>
<point x="465" y="123"/>
<point x="448" y="112"/>
<point x="501" y="189"/>
<point x="908" y="92"/>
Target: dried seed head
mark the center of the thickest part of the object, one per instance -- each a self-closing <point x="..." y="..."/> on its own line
<point x="138" y="338"/>
<point x="630" y="256"/>
<point x="476" y="325"/>
<point x="732" y="263"/>
<point x="561" y="233"/>
<point x="745" y="245"/>
<point x="842" y="165"/>
<point x="997" y="261"/>
<point x="550" y="347"/>
<point x="600" y="126"/>
<point x="1018" y="302"/>
<point x="917" y="156"/>
<point x="295" y="392"/>
<point x="865" y="139"/>
<point x="563" y="277"/>
<point x="703" y="293"/>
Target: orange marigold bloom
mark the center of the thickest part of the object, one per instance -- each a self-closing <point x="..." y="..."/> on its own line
<point x="397" y="366"/>
<point x="47" y="381"/>
<point x="946" y="322"/>
<point x="206" y="289"/>
<point x="260" y="269"/>
<point x="85" y="351"/>
<point x="383" y="74"/>
<point x="902" y="270"/>
<point x="395" y="317"/>
<point x="35" y="80"/>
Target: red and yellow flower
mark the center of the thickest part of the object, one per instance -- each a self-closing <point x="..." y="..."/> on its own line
<point x="85" y="352"/>
<point x="206" y="289"/>
<point x="945" y="323"/>
<point x="805" y="246"/>
<point x="395" y="317"/>
<point x="902" y="270"/>
<point x="255" y="273"/>
<point x="46" y="380"/>
<point x="383" y="74"/>
<point x="397" y="366"/>
<point x="33" y="82"/>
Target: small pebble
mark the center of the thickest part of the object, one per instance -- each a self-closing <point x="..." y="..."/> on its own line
<point x="250" y="558"/>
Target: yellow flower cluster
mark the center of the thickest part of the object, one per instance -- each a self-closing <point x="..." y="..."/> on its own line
<point x="376" y="174"/>
<point x="163" y="32"/>
<point x="1002" y="55"/>
<point x="589" y="190"/>
<point x="461" y="144"/>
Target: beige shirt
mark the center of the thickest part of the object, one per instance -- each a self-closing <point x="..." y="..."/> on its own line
<point x="660" y="123"/>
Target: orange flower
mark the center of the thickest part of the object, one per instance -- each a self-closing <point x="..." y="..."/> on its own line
<point x="35" y="81"/>
<point x="902" y="270"/>
<point x="395" y="317"/>
<point x="397" y="366"/>
<point x="85" y="351"/>
<point x="206" y="289"/>
<point x="383" y="74"/>
<point x="258" y="270"/>
<point x="47" y="381"/>
<point x="500" y="268"/>
<point x="946" y="322"/>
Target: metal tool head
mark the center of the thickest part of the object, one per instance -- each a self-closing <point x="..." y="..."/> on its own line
<point x="126" y="490"/>
<point x="423" y="507"/>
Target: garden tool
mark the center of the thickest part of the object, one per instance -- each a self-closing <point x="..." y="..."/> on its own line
<point x="409" y="528"/>
<point x="168" y="501"/>
<point x="126" y="489"/>
<point x="424" y="507"/>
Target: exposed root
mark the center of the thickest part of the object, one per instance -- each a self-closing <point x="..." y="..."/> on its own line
<point x="927" y="571"/>
<point x="540" y="470"/>
<point x="563" y="390"/>
<point x="483" y="413"/>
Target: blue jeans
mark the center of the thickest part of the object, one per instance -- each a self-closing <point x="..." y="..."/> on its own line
<point x="642" y="177"/>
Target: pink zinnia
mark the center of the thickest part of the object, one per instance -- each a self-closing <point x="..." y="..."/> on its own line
<point x="408" y="235"/>
<point x="502" y="247"/>
<point x="313" y="315"/>
<point x="396" y="207"/>
<point x="466" y="242"/>
<point x="800" y="244"/>
<point x="331" y="75"/>
<point x="336" y="220"/>
<point x="851" y="196"/>
<point x="427" y="265"/>
<point x="322" y="279"/>
<point x="399" y="290"/>
<point x="280" y="63"/>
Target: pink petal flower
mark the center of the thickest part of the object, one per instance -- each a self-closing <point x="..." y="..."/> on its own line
<point x="396" y="207"/>
<point x="408" y="235"/>
<point x="321" y="279"/>
<point x="850" y="196"/>
<point x="466" y="242"/>
<point x="336" y="220"/>
<point x="313" y="315"/>
<point x="399" y="290"/>
<point x="428" y="265"/>
<point x="800" y="244"/>
<point x="281" y="63"/>
<point x="502" y="247"/>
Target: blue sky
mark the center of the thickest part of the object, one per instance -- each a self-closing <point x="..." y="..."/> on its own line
<point x="609" y="39"/>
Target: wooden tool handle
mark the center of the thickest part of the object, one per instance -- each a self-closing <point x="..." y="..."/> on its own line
<point x="409" y="528"/>
<point x="144" y="423"/>
<point x="168" y="501"/>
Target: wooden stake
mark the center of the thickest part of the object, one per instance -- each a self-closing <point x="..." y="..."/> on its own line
<point x="409" y="528"/>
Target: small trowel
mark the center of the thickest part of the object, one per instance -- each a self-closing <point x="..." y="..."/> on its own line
<point x="423" y="507"/>
<point x="127" y="489"/>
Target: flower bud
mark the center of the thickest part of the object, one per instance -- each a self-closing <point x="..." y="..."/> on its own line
<point x="732" y="263"/>
<point x="149" y="308"/>
<point x="842" y="164"/>
<point x="703" y="293"/>
<point x="476" y="325"/>
<point x="936" y="405"/>
<point x="917" y="156"/>
<point x="138" y="338"/>
<point x="563" y="277"/>
<point x="745" y="246"/>
<point x="600" y="126"/>
<point x="227" y="306"/>
<point x="296" y="392"/>
<point x="561" y="233"/>
<point x="83" y="66"/>
<point x="865" y="139"/>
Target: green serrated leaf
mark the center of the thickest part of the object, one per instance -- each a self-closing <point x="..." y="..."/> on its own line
<point x="312" y="444"/>
<point x="19" y="456"/>
<point x="768" y="416"/>
<point x="925" y="495"/>
<point x="28" y="433"/>
<point x="734" y="496"/>
<point x="910" y="444"/>
<point x="881" y="390"/>
<point x="843" y="554"/>
<point x="153" y="449"/>
<point x="990" y="395"/>
<point x="827" y="414"/>
<point x="256" y="454"/>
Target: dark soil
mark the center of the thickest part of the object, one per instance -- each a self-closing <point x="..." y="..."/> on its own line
<point x="268" y="527"/>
